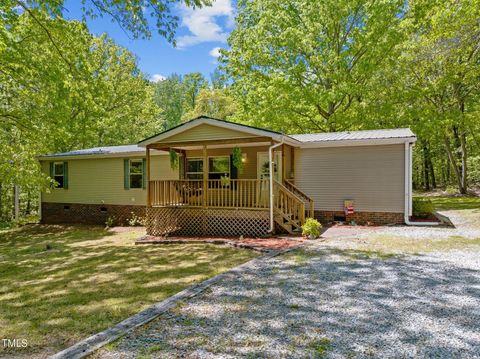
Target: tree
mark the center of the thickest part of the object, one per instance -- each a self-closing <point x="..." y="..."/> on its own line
<point x="93" y="94"/>
<point x="443" y="57"/>
<point x="170" y="97"/>
<point x="306" y="62"/>
<point x="132" y="15"/>
<point x="216" y="103"/>
<point x="194" y="82"/>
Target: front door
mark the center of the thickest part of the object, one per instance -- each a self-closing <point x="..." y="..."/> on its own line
<point x="263" y="173"/>
<point x="263" y="168"/>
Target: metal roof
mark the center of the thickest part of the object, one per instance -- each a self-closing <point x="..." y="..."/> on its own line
<point x="108" y="150"/>
<point x="327" y="137"/>
<point x="355" y="135"/>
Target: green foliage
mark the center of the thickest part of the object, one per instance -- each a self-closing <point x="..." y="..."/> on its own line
<point x="311" y="228"/>
<point x="83" y="92"/>
<point x="237" y="159"/>
<point x="170" y="97"/>
<point x="216" y="103"/>
<point x="194" y="82"/>
<point x="134" y="16"/>
<point x="173" y="159"/>
<point x="474" y="165"/>
<point x="422" y="207"/>
<point x="109" y="222"/>
<point x="304" y="66"/>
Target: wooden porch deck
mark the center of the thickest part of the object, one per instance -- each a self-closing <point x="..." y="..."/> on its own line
<point x="205" y="207"/>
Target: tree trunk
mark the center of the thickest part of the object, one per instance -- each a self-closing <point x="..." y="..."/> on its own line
<point x="453" y="162"/>
<point x="28" y="208"/>
<point x="463" y="147"/>
<point x="426" y="177"/>
<point x="1" y="202"/>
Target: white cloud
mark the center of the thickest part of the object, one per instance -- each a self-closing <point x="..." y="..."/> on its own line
<point x="215" y="52"/>
<point x="203" y="23"/>
<point x="157" y="78"/>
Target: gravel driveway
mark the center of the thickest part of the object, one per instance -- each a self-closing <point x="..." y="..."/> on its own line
<point x="327" y="299"/>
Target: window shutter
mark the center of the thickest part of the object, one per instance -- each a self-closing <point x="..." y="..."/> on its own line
<point x="144" y="173"/>
<point x="51" y="170"/>
<point x="126" y="173"/>
<point x="65" y="175"/>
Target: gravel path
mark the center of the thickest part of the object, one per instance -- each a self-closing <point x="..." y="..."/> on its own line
<point x="326" y="301"/>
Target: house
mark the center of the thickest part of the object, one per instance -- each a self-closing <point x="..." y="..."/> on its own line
<point x="213" y="177"/>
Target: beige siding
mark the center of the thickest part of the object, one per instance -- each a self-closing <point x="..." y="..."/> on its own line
<point x="206" y="132"/>
<point x="250" y="166"/>
<point x="287" y="160"/>
<point x="100" y="180"/>
<point x="373" y="176"/>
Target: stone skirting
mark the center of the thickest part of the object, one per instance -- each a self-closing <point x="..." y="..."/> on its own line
<point x="361" y="217"/>
<point x="185" y="221"/>
<point x="53" y="213"/>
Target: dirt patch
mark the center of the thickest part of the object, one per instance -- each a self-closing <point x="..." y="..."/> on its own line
<point x="260" y="244"/>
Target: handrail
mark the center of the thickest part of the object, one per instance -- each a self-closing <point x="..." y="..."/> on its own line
<point x="226" y="193"/>
<point x="288" y="206"/>
<point x="302" y="194"/>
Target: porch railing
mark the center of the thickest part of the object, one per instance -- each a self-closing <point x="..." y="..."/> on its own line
<point x="230" y="193"/>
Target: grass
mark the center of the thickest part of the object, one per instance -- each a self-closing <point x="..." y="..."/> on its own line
<point x="454" y="203"/>
<point x="385" y="247"/>
<point x="60" y="284"/>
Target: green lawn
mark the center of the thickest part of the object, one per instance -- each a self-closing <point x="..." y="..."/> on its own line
<point x="60" y="284"/>
<point x="453" y="203"/>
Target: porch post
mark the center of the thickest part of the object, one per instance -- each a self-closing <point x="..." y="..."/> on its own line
<point x="205" y="176"/>
<point x="149" y="201"/>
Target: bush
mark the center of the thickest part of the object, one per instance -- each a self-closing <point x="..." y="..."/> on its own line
<point x="422" y="207"/>
<point x="311" y="228"/>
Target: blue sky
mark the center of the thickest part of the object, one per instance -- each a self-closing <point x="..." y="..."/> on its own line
<point x="200" y="34"/>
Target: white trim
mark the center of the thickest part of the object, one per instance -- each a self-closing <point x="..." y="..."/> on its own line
<point x="408" y="190"/>
<point x="270" y="163"/>
<point x="352" y="143"/>
<point x="212" y="122"/>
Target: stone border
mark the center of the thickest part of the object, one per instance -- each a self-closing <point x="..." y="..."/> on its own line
<point x="96" y="341"/>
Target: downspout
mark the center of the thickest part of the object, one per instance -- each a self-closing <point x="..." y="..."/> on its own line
<point x="408" y="189"/>
<point x="270" y="170"/>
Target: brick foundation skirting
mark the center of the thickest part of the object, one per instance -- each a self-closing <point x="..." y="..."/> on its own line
<point x="55" y="213"/>
<point x="361" y="217"/>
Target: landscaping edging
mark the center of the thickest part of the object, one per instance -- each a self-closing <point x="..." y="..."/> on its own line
<point x="96" y="341"/>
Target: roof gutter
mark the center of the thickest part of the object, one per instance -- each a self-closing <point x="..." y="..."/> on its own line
<point x="270" y="170"/>
<point x="408" y="189"/>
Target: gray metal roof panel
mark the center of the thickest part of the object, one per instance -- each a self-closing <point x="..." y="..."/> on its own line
<point x="355" y="135"/>
<point x="108" y="150"/>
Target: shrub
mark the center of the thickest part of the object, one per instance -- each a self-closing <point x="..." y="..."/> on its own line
<point x="422" y="207"/>
<point x="136" y="220"/>
<point x="109" y="222"/>
<point x="311" y="228"/>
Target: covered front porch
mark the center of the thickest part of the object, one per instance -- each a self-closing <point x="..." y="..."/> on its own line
<point x="224" y="184"/>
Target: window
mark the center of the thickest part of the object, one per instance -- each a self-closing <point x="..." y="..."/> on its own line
<point x="218" y="167"/>
<point x="194" y="168"/>
<point x="136" y="173"/>
<point x="59" y="174"/>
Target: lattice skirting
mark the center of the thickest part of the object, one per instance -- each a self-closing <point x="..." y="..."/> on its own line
<point x="163" y="221"/>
